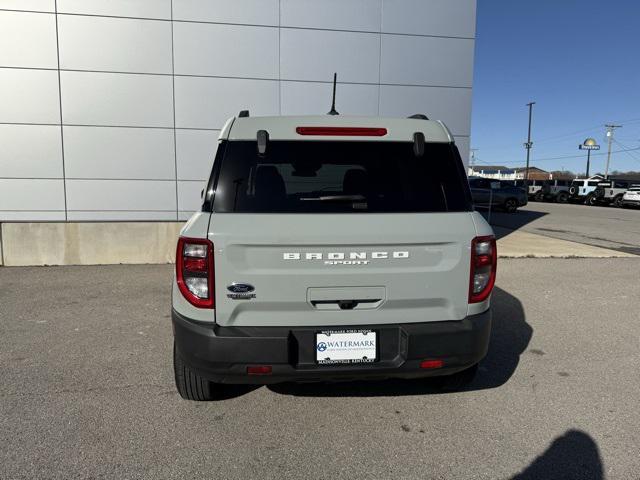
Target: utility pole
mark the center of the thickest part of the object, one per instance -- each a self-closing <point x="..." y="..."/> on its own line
<point x="610" y="129"/>
<point x="473" y="155"/>
<point x="528" y="145"/>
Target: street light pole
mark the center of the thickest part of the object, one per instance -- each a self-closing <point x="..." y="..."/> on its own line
<point x="588" y="162"/>
<point x="528" y="145"/>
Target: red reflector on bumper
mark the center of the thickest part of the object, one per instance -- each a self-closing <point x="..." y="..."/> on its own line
<point x="259" y="370"/>
<point x="427" y="364"/>
<point x="342" y="131"/>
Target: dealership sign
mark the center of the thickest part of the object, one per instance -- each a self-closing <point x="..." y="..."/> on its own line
<point x="589" y="144"/>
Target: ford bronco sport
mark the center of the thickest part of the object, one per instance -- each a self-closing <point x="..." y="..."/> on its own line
<point x="332" y="248"/>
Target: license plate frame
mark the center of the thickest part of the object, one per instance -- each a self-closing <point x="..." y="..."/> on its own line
<point x="346" y="347"/>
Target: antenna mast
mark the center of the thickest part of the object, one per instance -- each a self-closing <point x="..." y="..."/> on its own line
<point x="333" y="103"/>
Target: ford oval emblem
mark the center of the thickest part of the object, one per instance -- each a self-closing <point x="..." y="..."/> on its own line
<point x="240" y="288"/>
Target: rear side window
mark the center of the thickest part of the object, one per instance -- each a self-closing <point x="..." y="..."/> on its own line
<point x="592" y="184"/>
<point x="340" y="177"/>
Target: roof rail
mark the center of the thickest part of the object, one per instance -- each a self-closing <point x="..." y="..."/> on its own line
<point x="419" y="116"/>
<point x="243" y="114"/>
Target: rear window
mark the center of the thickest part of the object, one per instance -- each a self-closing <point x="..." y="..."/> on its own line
<point x="340" y="177"/>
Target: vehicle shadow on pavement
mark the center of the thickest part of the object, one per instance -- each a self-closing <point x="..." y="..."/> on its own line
<point x="510" y="336"/>
<point x="510" y="221"/>
<point x="574" y="455"/>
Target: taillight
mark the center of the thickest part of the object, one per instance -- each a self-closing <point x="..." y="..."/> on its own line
<point x="194" y="271"/>
<point x="483" y="268"/>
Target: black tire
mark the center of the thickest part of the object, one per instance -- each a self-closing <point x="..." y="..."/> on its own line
<point x="539" y="196"/>
<point x="617" y="201"/>
<point x="457" y="381"/>
<point x="510" y="205"/>
<point x="190" y="385"/>
<point x="591" y="200"/>
<point x="563" y="197"/>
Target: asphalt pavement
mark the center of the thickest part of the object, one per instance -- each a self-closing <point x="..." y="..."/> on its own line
<point x="599" y="226"/>
<point x="86" y="389"/>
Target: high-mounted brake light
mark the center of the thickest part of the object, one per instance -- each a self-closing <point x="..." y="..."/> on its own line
<point x="483" y="268"/>
<point x="194" y="271"/>
<point x="342" y="131"/>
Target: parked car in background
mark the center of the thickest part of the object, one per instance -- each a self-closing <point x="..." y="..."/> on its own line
<point x="535" y="190"/>
<point x="631" y="197"/>
<point x="556" y="190"/>
<point x="581" y="187"/>
<point x="608" y="192"/>
<point x="489" y="193"/>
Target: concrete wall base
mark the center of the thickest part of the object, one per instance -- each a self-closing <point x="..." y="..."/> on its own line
<point x="88" y="243"/>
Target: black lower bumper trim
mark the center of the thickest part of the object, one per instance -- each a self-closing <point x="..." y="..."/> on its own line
<point x="222" y="354"/>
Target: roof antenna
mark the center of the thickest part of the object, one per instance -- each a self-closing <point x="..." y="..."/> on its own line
<point x="333" y="103"/>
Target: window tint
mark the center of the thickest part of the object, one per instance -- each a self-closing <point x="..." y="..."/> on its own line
<point x="592" y="184"/>
<point x="340" y="177"/>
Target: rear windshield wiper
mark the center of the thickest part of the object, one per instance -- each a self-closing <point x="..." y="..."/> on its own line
<point x="334" y="198"/>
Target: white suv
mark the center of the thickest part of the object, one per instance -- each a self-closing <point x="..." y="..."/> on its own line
<point x="328" y="248"/>
<point x="631" y="197"/>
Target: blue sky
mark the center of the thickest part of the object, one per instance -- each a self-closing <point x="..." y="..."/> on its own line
<point x="578" y="59"/>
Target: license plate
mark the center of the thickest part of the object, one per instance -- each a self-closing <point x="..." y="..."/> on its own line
<point x="346" y="346"/>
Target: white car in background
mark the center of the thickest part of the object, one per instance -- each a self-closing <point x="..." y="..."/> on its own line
<point x="631" y="197"/>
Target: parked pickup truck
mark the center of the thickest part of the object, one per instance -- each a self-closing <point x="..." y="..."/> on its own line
<point x="332" y="248"/>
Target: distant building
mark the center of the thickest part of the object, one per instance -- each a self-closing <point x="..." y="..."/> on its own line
<point x="499" y="172"/>
<point x="535" y="173"/>
<point x="496" y="172"/>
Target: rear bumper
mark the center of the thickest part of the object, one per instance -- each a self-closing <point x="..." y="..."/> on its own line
<point x="222" y="354"/>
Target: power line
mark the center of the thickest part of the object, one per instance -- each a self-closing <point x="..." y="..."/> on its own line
<point x="564" y="135"/>
<point x="627" y="150"/>
<point x="571" y="156"/>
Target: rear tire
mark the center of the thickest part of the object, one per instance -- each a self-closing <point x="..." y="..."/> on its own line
<point x="562" y="197"/>
<point x="190" y="385"/>
<point x="539" y="196"/>
<point x="591" y="200"/>
<point x="458" y="381"/>
<point x="617" y="201"/>
<point x="510" y="205"/>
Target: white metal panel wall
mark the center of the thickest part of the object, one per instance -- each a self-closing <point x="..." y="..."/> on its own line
<point x="110" y="109"/>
